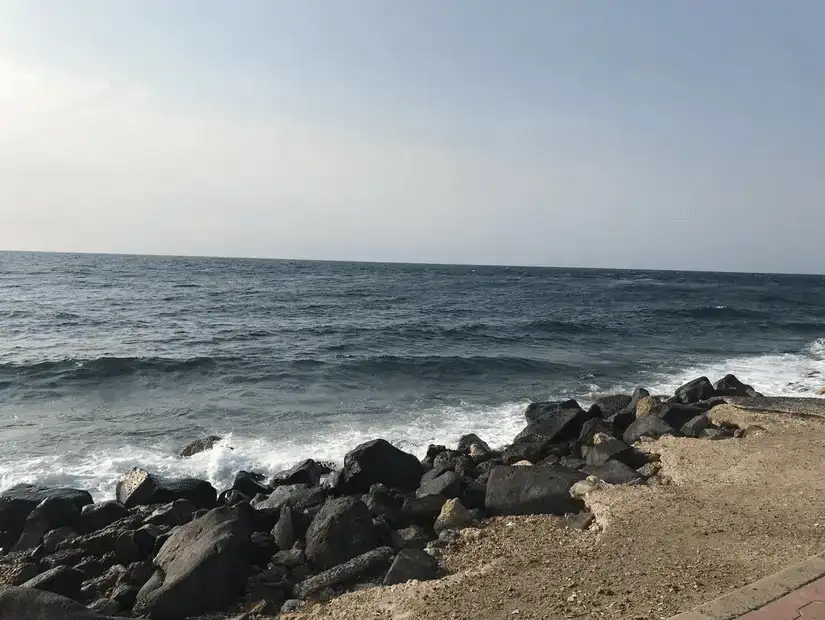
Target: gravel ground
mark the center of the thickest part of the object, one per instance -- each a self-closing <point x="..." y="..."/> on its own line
<point x="734" y="511"/>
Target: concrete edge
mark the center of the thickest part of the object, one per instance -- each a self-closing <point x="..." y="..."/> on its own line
<point x="759" y="593"/>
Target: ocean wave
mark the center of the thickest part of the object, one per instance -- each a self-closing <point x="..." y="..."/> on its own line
<point x="713" y="312"/>
<point x="104" y="367"/>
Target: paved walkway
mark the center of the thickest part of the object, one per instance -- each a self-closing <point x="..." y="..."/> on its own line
<point x="806" y="603"/>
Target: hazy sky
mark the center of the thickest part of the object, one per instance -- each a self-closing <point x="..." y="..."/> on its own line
<point x="682" y="134"/>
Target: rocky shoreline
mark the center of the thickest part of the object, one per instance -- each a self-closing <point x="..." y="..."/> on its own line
<point x="169" y="550"/>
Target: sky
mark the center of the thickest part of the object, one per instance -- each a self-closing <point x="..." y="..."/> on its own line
<point x="643" y="134"/>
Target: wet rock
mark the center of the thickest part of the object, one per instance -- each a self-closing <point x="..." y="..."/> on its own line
<point x="694" y="391"/>
<point x="136" y="487"/>
<point x="467" y="441"/>
<point x="378" y="461"/>
<point x="532" y="490"/>
<point x="479" y="454"/>
<point x="306" y="472"/>
<point x="729" y="385"/>
<point x="139" y="488"/>
<point x="448" y="484"/>
<point x="557" y="422"/>
<point x="647" y="426"/>
<point x="347" y="572"/>
<point x="172" y="514"/>
<point x="250" y="484"/>
<point x="60" y="580"/>
<point x="695" y="426"/>
<point x="19" y="501"/>
<point x="411" y="564"/>
<point x="283" y="532"/>
<point x="95" y="517"/>
<point x="18" y="573"/>
<point x="453" y="516"/>
<point x="231" y="497"/>
<point x="412" y="537"/>
<point x="202" y="567"/>
<point x="613" y="472"/>
<point x="200" y="445"/>
<point x="34" y="604"/>
<point x="342" y="530"/>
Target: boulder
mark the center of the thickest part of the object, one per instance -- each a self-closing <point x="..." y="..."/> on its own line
<point x="613" y="472"/>
<point x="423" y="510"/>
<point x="534" y="448"/>
<point x="449" y="484"/>
<point x="412" y="537"/>
<point x="250" y="484"/>
<point x="66" y="557"/>
<point x="593" y="427"/>
<point x="95" y="517"/>
<point x="50" y="514"/>
<point x="649" y="405"/>
<point x="647" y="426"/>
<point x="201" y="568"/>
<point x="694" y="391"/>
<point x="371" y="561"/>
<point x="284" y="531"/>
<point x="61" y="580"/>
<point x="378" y="461"/>
<point x="112" y="539"/>
<point x="695" y="426"/>
<point x="172" y="514"/>
<point x="411" y="564"/>
<point x="606" y="450"/>
<point x="34" y="604"/>
<point x="453" y="516"/>
<point x="467" y="441"/>
<point x="17" y="573"/>
<point x="230" y="497"/>
<point x="611" y="405"/>
<point x="19" y="501"/>
<point x="200" y="445"/>
<point x="620" y="421"/>
<point x="306" y="472"/>
<point x="125" y="595"/>
<point x="105" y="606"/>
<point x="140" y="488"/>
<point x="342" y="530"/>
<point x="532" y="490"/>
<point x="290" y="558"/>
<point x="555" y="423"/>
<point x="296" y="496"/>
<point x="677" y="415"/>
<point x="729" y="385"/>
<point x="473" y="494"/>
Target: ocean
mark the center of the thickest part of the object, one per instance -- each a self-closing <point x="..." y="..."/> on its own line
<point x="111" y="362"/>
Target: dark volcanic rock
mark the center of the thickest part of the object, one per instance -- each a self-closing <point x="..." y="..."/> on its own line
<point x="468" y="440"/>
<point x="50" y="514"/>
<point x="297" y="496"/>
<point x="378" y="461"/>
<point x="534" y="449"/>
<point x="695" y="426"/>
<point x="172" y="514"/>
<point x="250" y="484"/>
<point x="474" y="494"/>
<point x="611" y="405"/>
<point x="620" y="421"/>
<point x="200" y="445"/>
<point x="606" y="450"/>
<point x="423" y="510"/>
<point x="694" y="391"/>
<point x="532" y="490"/>
<point x="55" y="537"/>
<point x="554" y="422"/>
<point x="449" y="484"/>
<point x="591" y="428"/>
<point x="97" y="516"/>
<point x="120" y="542"/>
<point x="66" y="557"/>
<point x="413" y="537"/>
<point x="19" y="501"/>
<point x="60" y="580"/>
<point x="17" y="573"/>
<point x="342" y="530"/>
<point x="202" y="568"/>
<point x="30" y="604"/>
<point x="230" y="497"/>
<point x="412" y="564"/>
<point x="729" y="385"/>
<point x="647" y="426"/>
<point x="571" y="462"/>
<point x="284" y="530"/>
<point x="613" y="472"/>
<point x="139" y="488"/>
<point x="677" y="415"/>
<point x="347" y="572"/>
<point x="306" y="472"/>
<point x="125" y="595"/>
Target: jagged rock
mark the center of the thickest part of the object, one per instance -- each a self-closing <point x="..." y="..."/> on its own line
<point x="284" y="531"/>
<point x="263" y="548"/>
<point x="101" y="586"/>
<point x="412" y="537"/>
<point x="55" y="537"/>
<point x="139" y="488"/>
<point x="611" y="405"/>
<point x="60" y="580"/>
<point x="571" y="462"/>
<point x="172" y="514"/>
<point x="474" y="494"/>
<point x="649" y="405"/>
<point x="91" y="567"/>
<point x="291" y="606"/>
<point x="695" y="426"/>
<point x="51" y="513"/>
<point x="593" y="427"/>
<point x="105" y="606"/>
<point x="136" y="574"/>
<point x="306" y="472"/>
<point x="230" y="497"/>
<point x="534" y="448"/>
<point x="125" y="595"/>
<point x="613" y="472"/>
<point x="95" y="517"/>
<point x="200" y="445"/>
<point x="341" y="530"/>
<point x="423" y="510"/>
<point x="448" y="484"/>
<point x="729" y="385"/>
<point x="146" y="538"/>
<point x="411" y="564"/>
<point x="296" y="496"/>
<point x="479" y="454"/>
<point x="66" y="557"/>
<point x="677" y="415"/>
<point x="347" y="572"/>
<point x="121" y="542"/>
<point x="290" y="558"/>
<point x="647" y="426"/>
<point x="19" y="501"/>
<point x="532" y="490"/>
<point x="557" y="422"/>
<point x="604" y="451"/>
<point x="694" y="391"/>
<point x="18" y="573"/>
<point x="378" y="461"/>
<point x="201" y="568"/>
<point x="470" y="439"/>
<point x="453" y="516"/>
<point x="250" y="484"/>
<point x="488" y="466"/>
<point x="34" y="604"/>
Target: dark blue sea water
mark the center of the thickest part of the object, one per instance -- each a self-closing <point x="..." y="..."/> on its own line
<point x="107" y="362"/>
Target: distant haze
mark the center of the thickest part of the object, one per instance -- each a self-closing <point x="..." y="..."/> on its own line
<point x="667" y="135"/>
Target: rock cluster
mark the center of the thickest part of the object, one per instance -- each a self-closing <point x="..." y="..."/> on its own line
<point x="172" y="549"/>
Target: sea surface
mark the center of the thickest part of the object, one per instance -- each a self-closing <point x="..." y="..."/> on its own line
<point x="111" y="362"/>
